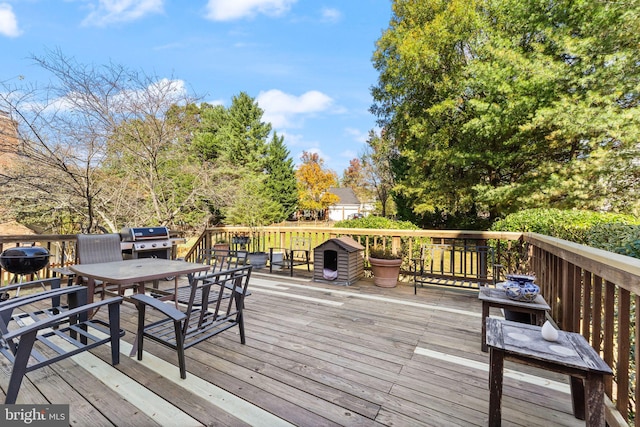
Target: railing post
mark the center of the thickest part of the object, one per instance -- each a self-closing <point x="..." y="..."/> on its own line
<point x="395" y="244"/>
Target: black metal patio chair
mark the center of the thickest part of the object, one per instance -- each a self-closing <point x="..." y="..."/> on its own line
<point x="220" y="260"/>
<point x="34" y="334"/>
<point x="298" y="253"/>
<point x="220" y="308"/>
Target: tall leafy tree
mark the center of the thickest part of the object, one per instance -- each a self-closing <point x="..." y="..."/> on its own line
<point x="314" y="182"/>
<point x="377" y="161"/>
<point x="497" y="104"/>
<point x="246" y="134"/>
<point x="354" y="178"/>
<point x="108" y="140"/>
<point x="280" y="181"/>
<point x="209" y="136"/>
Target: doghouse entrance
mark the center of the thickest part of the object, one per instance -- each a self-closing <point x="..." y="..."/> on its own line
<point x="330" y="270"/>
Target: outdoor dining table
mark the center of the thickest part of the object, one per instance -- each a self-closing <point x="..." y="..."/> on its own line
<point x="134" y="272"/>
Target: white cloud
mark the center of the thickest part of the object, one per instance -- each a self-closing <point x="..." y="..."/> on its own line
<point x="357" y="134"/>
<point x="280" y="109"/>
<point x="228" y="10"/>
<point x="113" y="11"/>
<point x="169" y="91"/>
<point x="349" y="154"/>
<point x="331" y="15"/>
<point x="8" y="21"/>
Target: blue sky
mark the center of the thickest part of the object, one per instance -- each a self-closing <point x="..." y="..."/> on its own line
<point x="306" y="62"/>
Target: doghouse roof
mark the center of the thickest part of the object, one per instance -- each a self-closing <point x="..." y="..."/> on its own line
<point x="346" y="243"/>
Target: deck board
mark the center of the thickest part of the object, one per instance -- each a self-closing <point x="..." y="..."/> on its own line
<point x="317" y="354"/>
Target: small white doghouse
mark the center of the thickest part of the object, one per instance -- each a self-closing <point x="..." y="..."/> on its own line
<point x="339" y="260"/>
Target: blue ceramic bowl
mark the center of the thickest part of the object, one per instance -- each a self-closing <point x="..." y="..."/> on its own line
<point x="521" y="291"/>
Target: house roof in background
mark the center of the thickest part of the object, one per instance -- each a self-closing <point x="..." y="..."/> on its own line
<point x="347" y="196"/>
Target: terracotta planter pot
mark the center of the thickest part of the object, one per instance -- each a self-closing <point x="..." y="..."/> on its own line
<point x="221" y="246"/>
<point x="385" y="271"/>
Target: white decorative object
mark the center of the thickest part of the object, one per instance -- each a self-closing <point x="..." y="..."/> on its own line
<point x="549" y="333"/>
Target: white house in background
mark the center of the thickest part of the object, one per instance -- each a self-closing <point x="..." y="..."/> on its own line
<point x="348" y="204"/>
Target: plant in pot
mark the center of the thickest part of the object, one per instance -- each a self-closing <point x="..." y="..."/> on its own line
<point x="385" y="267"/>
<point x="222" y="244"/>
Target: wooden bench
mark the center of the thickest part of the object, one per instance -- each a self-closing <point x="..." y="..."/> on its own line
<point x="33" y="336"/>
<point x="469" y="266"/>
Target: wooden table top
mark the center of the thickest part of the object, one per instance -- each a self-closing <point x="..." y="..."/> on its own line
<point x="496" y="295"/>
<point x="570" y="350"/>
<point x="136" y="270"/>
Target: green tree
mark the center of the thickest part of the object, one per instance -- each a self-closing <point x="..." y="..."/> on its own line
<point x="252" y="207"/>
<point x="280" y="182"/>
<point x="500" y="105"/>
<point x="246" y="133"/>
<point x="209" y="136"/>
<point x="236" y="135"/>
<point x="377" y="161"/>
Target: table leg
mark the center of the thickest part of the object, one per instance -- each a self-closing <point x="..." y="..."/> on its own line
<point x="91" y="288"/>
<point x="539" y="318"/>
<point x="175" y="292"/>
<point x="496" y="358"/>
<point x="577" y="397"/>
<point x="594" y="394"/>
<point x="485" y="314"/>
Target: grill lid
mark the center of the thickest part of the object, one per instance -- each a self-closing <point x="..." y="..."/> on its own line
<point x="24" y="260"/>
<point x="135" y="234"/>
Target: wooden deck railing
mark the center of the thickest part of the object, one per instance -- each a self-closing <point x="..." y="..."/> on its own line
<point x="405" y="242"/>
<point x="590" y="291"/>
<point x="595" y="293"/>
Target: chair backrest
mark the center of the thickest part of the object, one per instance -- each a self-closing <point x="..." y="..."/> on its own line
<point x="222" y="259"/>
<point x="300" y="244"/>
<point x="95" y="248"/>
<point x="216" y="300"/>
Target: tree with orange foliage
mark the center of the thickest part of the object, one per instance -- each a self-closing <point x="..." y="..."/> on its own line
<point x="313" y="184"/>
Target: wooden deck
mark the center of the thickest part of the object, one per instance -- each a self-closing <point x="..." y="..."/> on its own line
<point x="316" y="355"/>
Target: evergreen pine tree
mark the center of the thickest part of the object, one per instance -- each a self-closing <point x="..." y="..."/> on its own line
<point x="281" y="181"/>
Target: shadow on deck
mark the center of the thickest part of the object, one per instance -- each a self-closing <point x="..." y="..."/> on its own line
<point x="316" y="354"/>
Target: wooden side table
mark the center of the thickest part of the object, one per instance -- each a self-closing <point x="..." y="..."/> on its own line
<point x="492" y="297"/>
<point x="571" y="354"/>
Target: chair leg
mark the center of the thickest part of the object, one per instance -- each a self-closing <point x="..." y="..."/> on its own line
<point x="241" y="327"/>
<point x="140" y="333"/>
<point x="180" y="349"/>
<point x="114" y="329"/>
<point x="19" y="367"/>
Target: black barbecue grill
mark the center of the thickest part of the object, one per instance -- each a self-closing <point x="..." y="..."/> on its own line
<point x="23" y="261"/>
<point x="147" y="242"/>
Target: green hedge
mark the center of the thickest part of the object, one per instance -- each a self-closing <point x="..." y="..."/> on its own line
<point x="376" y="222"/>
<point x="613" y="232"/>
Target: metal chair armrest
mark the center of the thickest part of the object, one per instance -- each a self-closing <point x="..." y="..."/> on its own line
<point x="168" y="310"/>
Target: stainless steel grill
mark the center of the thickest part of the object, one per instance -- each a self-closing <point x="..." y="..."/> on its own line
<point x="147" y="242"/>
